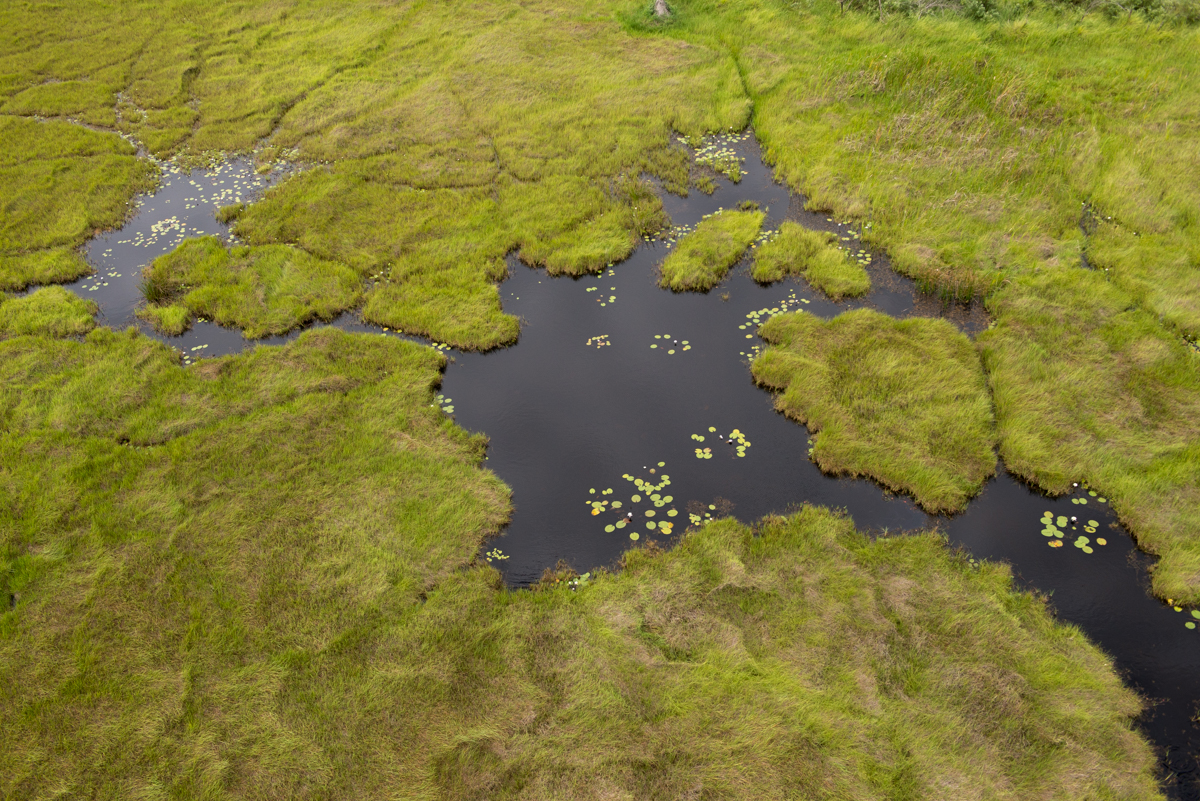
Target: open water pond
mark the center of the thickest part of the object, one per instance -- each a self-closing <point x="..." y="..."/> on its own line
<point x="627" y="413"/>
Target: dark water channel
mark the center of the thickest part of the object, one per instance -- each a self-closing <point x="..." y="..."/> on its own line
<point x="593" y="397"/>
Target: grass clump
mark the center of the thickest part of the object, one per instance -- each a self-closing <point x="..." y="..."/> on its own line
<point x="171" y="319"/>
<point x="52" y="312"/>
<point x="795" y="250"/>
<point x="1089" y="387"/>
<point x="62" y="183"/>
<point x="262" y="290"/>
<point x="902" y="401"/>
<point x="703" y="257"/>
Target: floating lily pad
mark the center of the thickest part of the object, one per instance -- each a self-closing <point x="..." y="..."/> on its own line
<point x="609" y="529"/>
<point x="1086" y="549"/>
<point x="1049" y="532"/>
<point x="668" y="498"/>
<point x="672" y="512"/>
<point x="1196" y="613"/>
<point x="1102" y="500"/>
<point x="649" y="513"/>
<point x="620" y="524"/>
<point x="650" y="524"/>
<point x="1062" y="521"/>
<point x="633" y="535"/>
<point x="1101" y="541"/>
<point x="636" y="498"/>
<point x="1190" y="624"/>
<point x="662" y="464"/>
<point x="616" y="504"/>
<point x="1092" y="493"/>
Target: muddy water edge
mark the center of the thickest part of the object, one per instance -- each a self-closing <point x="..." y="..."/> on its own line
<point x="621" y="397"/>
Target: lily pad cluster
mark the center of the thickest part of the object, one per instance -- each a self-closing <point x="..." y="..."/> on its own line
<point x="754" y="319"/>
<point x="669" y="345"/>
<point x="496" y="554"/>
<point x="446" y="404"/>
<point x="603" y="300"/>
<point x="648" y="492"/>
<point x="672" y="235"/>
<point x="193" y="353"/>
<point x="600" y="341"/>
<point x="1195" y="613"/>
<point x="696" y="519"/>
<point x="1056" y="527"/>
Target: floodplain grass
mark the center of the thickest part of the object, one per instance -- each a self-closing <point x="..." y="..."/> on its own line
<point x="702" y="258"/>
<point x="1088" y="386"/>
<point x="795" y="250"/>
<point x="264" y="290"/>
<point x="62" y="184"/>
<point x="51" y="311"/>
<point x="267" y="569"/>
<point x="902" y="401"/>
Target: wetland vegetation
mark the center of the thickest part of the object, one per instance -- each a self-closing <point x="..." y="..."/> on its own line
<point x="261" y="574"/>
<point x="902" y="401"/>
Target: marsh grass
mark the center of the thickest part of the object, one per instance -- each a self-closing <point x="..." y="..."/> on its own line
<point x="255" y="555"/>
<point x="902" y="401"/>
<point x="702" y="258"/>
<point x="52" y="312"/>
<point x="795" y="250"/>
<point x="1089" y="387"/>
<point x="61" y="184"/>
<point x="264" y="290"/>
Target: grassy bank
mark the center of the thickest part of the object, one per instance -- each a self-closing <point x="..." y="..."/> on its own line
<point x="795" y="250"/>
<point x="1088" y="386"/>
<point x="263" y="290"/>
<point x="902" y="401"/>
<point x="265" y="568"/>
<point x="52" y="311"/>
<point x="702" y="258"/>
<point x="62" y="183"/>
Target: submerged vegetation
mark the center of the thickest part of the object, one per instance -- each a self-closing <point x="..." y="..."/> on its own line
<point x="795" y="250"/>
<point x="256" y="554"/>
<point x="902" y="401"/>
<point x="702" y="258"/>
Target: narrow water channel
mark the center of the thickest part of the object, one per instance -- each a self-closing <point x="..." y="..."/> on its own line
<point x="597" y="396"/>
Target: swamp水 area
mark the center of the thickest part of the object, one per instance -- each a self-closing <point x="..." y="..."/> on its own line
<point x="648" y="399"/>
<point x="611" y="420"/>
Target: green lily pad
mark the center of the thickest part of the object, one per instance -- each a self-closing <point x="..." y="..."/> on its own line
<point x="662" y="464"/>
<point x="1049" y="532"/>
<point x="1196" y="613"/>
<point x="1092" y="493"/>
<point x="636" y="498"/>
<point x="672" y="513"/>
<point x="1190" y="624"/>
<point x="1102" y="500"/>
<point x="609" y="529"/>
<point x="633" y="535"/>
<point x="650" y="513"/>
<point x="1062" y="521"/>
<point x="668" y="498"/>
<point x="1086" y="549"/>
<point x="650" y="524"/>
<point x="620" y="524"/>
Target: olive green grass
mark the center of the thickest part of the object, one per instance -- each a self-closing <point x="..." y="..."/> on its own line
<point x="702" y="258"/>
<point x="258" y="576"/>
<point x="262" y="290"/>
<point x="1089" y="387"/>
<point x="52" y="312"/>
<point x="62" y="183"/>
<point x="795" y="250"/>
<point x="902" y="401"/>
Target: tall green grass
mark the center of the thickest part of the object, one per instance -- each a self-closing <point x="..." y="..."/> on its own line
<point x="902" y="401"/>
<point x="258" y="575"/>
<point x="795" y="250"/>
<point x="52" y="311"/>
<point x="702" y="258"/>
